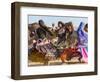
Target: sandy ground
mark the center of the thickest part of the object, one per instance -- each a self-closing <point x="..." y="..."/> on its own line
<point x="56" y="62"/>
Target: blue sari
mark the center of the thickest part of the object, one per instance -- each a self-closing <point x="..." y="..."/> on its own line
<point x="83" y="36"/>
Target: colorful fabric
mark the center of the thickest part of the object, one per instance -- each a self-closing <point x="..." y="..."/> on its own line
<point x="83" y="36"/>
<point x="84" y="54"/>
<point x="83" y="41"/>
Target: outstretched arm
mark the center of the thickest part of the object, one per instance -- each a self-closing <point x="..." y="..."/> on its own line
<point x="80" y="26"/>
<point x="80" y="29"/>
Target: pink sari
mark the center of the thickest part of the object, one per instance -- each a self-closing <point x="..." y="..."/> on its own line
<point x="84" y="54"/>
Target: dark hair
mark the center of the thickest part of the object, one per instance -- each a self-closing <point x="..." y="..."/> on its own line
<point x="86" y="25"/>
<point x="41" y="22"/>
<point x="69" y="24"/>
<point x="60" y="22"/>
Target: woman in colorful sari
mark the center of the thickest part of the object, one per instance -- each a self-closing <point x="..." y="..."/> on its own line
<point x="83" y="40"/>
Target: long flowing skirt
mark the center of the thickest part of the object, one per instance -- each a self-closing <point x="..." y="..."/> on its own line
<point x="84" y="52"/>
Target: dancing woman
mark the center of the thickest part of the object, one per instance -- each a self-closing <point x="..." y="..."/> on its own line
<point x="83" y="40"/>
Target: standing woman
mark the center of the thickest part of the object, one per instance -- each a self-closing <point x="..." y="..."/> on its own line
<point x="72" y="36"/>
<point x="61" y="34"/>
<point x="83" y="40"/>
